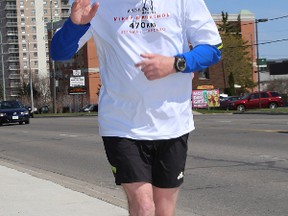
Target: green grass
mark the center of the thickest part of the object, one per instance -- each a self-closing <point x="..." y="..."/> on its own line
<point x="266" y="110"/>
<point x="213" y="110"/>
<point x="203" y="111"/>
<point x="66" y="114"/>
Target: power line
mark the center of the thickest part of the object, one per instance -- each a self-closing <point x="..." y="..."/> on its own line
<point x="273" y="41"/>
<point x="269" y="19"/>
<point x="281" y="17"/>
<point x="262" y="43"/>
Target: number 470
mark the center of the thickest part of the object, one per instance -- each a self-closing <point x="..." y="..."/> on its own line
<point x="135" y="25"/>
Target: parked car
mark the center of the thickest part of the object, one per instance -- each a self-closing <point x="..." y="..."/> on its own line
<point x="89" y="108"/>
<point x="266" y="99"/>
<point x="43" y="109"/>
<point x="13" y="112"/>
<point x="31" y="112"/>
<point x="225" y="102"/>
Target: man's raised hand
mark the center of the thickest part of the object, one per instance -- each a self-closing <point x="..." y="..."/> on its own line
<point x="82" y="11"/>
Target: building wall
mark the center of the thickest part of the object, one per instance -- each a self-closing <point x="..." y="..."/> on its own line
<point x="25" y="41"/>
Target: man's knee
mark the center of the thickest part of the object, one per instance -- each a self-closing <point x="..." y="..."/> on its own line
<point x="140" y="199"/>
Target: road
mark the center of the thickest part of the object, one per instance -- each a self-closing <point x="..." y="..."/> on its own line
<point x="237" y="164"/>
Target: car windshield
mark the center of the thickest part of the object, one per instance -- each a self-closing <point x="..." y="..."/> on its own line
<point x="10" y="105"/>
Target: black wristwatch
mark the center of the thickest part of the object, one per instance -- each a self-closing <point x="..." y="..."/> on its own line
<point x="179" y="64"/>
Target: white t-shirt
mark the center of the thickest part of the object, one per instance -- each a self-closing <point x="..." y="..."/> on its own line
<point x="130" y="105"/>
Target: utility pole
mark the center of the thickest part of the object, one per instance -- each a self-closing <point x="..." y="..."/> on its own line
<point x="257" y="56"/>
<point x="3" y="68"/>
<point x="31" y="80"/>
<point x="53" y="65"/>
<point x="257" y="53"/>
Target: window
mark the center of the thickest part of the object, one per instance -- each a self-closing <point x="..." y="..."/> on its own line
<point x="275" y="94"/>
<point x="204" y="74"/>
<point x="254" y="96"/>
<point x="264" y="95"/>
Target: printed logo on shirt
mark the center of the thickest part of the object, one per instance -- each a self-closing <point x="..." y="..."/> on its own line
<point x="180" y="176"/>
<point x="147" y="8"/>
<point x="142" y="19"/>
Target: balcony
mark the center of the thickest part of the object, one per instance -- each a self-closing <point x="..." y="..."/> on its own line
<point x="11" y="7"/>
<point x="13" y="59"/>
<point x="14" y="76"/>
<point x="11" y="15"/>
<point x="12" y="41"/>
<point x="14" y="67"/>
<point x="11" y="24"/>
<point x="65" y="14"/>
<point x="13" y="50"/>
<point x="12" y="33"/>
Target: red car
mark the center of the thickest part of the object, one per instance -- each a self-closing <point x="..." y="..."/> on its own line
<point x="267" y="99"/>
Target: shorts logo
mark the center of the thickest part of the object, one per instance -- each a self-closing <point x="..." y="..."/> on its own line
<point x="114" y="170"/>
<point x="180" y="176"/>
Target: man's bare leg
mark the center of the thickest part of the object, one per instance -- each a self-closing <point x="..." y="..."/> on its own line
<point x="140" y="199"/>
<point x="165" y="200"/>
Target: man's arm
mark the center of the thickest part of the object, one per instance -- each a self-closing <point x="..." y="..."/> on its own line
<point x="201" y="57"/>
<point x="65" y="41"/>
<point x="158" y="66"/>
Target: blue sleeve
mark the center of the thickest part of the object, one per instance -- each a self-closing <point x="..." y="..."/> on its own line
<point x="201" y="57"/>
<point x="64" y="43"/>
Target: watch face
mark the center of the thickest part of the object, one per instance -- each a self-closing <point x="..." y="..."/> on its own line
<point x="180" y="64"/>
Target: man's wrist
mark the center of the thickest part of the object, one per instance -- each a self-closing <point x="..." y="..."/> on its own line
<point x="179" y="64"/>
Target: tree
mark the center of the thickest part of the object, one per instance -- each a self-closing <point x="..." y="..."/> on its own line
<point x="278" y="85"/>
<point x="231" y="84"/>
<point x="227" y="27"/>
<point x="43" y="88"/>
<point x="235" y="55"/>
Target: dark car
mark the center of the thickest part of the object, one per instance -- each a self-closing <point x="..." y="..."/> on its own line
<point x="13" y="112"/>
<point x="89" y="108"/>
<point x="225" y="102"/>
<point x="266" y="99"/>
<point x="43" y="109"/>
<point x="31" y="112"/>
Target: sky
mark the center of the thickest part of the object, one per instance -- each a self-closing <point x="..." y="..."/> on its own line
<point x="269" y="31"/>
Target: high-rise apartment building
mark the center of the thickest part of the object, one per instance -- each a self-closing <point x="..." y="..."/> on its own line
<point x="24" y="51"/>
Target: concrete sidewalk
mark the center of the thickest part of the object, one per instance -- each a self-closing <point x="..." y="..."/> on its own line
<point x="24" y="195"/>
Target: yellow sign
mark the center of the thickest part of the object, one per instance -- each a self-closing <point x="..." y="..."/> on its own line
<point x="202" y="87"/>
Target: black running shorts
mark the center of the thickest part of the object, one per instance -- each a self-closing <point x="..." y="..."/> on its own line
<point x="159" y="162"/>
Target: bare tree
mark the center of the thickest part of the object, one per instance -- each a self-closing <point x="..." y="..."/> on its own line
<point x="279" y="85"/>
<point x="43" y="89"/>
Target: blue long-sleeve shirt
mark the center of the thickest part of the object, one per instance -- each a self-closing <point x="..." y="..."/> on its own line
<point x="65" y="44"/>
